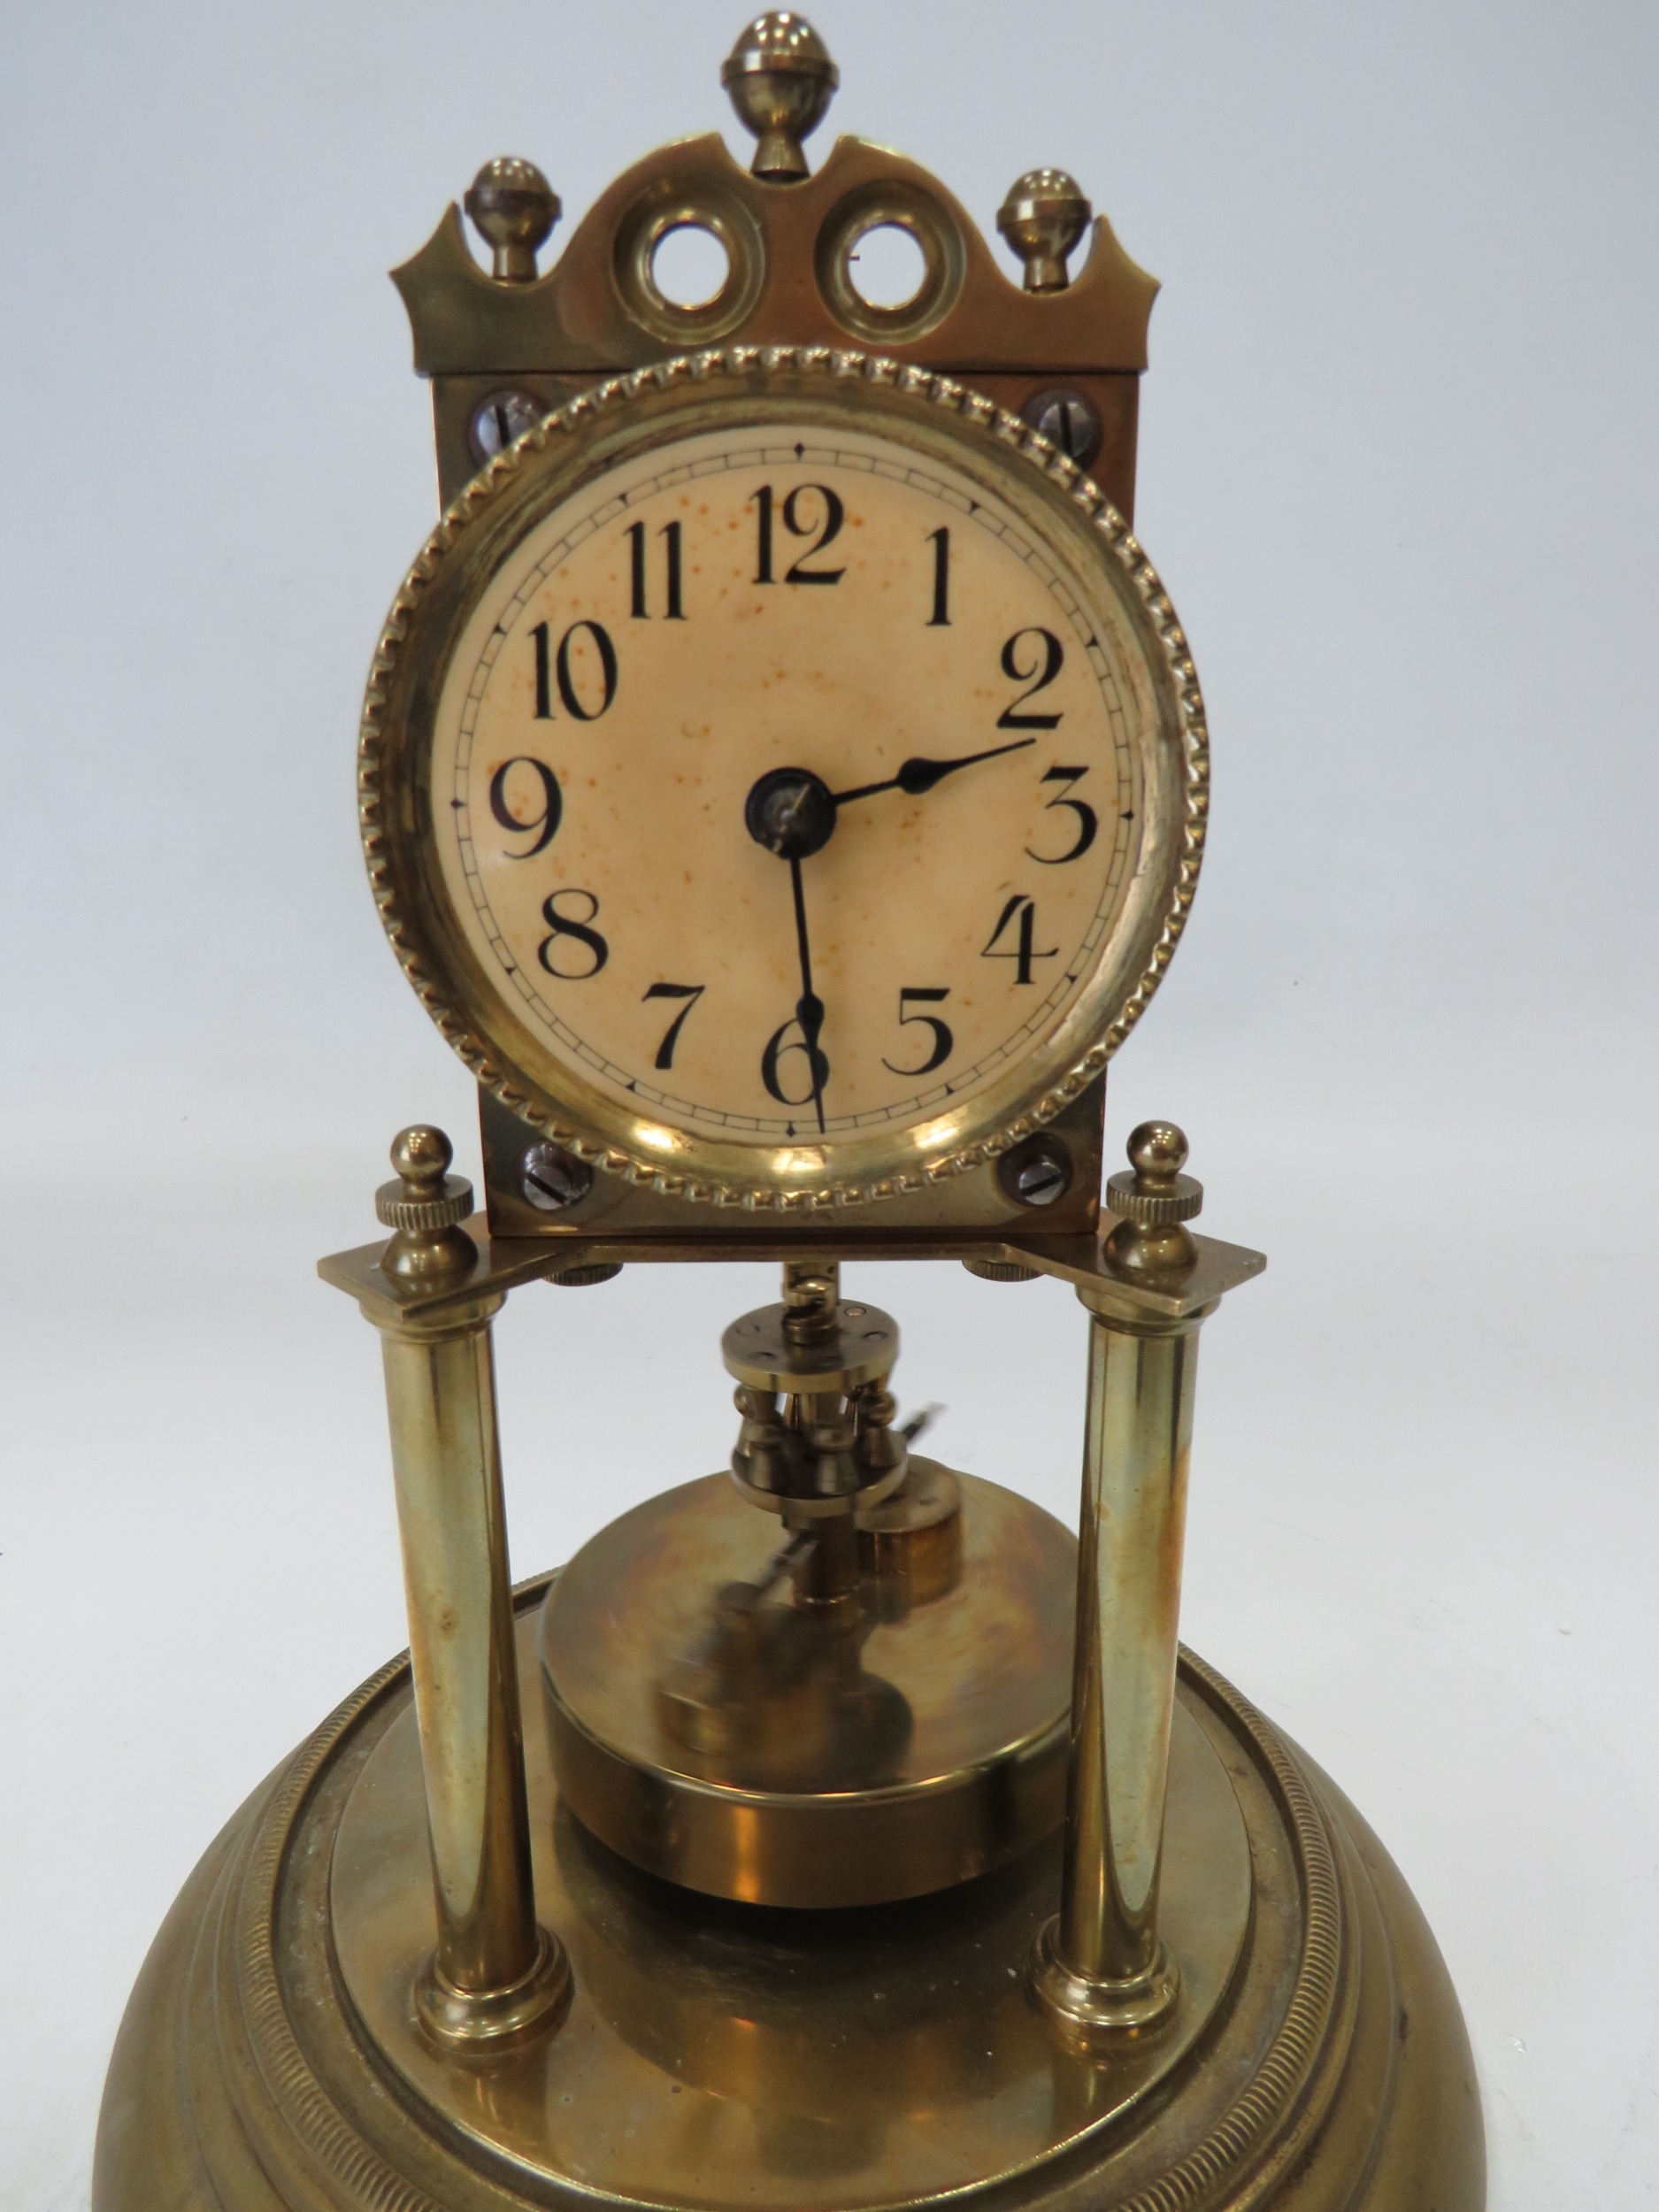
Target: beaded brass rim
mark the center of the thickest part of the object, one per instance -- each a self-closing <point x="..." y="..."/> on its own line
<point x="517" y="491"/>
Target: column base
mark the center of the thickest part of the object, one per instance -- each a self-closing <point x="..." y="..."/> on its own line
<point x="1097" y="2014"/>
<point x="488" y="2019"/>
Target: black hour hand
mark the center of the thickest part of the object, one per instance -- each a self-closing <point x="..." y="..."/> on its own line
<point x="919" y="774"/>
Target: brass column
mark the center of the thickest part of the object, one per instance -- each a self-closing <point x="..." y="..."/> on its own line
<point x="1099" y="1968"/>
<point x="494" y="1972"/>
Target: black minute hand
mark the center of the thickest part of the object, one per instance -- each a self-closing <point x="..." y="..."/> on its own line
<point x="918" y="775"/>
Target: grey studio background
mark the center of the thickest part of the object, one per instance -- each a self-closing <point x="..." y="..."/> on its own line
<point x="1397" y="466"/>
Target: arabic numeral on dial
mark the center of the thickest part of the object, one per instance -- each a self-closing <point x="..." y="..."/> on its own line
<point x="939" y="619"/>
<point x="691" y="993"/>
<point x="578" y="930"/>
<point x="543" y="674"/>
<point x="573" y="669"/>
<point x="504" y="785"/>
<point x="1087" y="820"/>
<point x="779" y="1046"/>
<point x="1018" y="917"/>
<point x="673" y="608"/>
<point x="943" y="1045"/>
<point x="802" y="517"/>
<point x="1044" y="659"/>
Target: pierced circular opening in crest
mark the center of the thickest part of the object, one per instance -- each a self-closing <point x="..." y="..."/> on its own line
<point x="856" y="257"/>
<point x="690" y="268"/>
<point x="888" y="267"/>
<point x="670" y="250"/>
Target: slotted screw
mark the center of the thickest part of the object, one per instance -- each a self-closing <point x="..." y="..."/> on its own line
<point x="552" y="1179"/>
<point x="1067" y="420"/>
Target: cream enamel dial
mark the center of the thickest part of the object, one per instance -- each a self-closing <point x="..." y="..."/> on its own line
<point x="779" y="790"/>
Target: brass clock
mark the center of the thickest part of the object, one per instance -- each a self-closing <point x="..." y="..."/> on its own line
<point x="783" y="780"/>
<point x="784" y="777"/>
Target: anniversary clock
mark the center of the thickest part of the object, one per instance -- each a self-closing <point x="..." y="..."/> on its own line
<point x="783" y="779"/>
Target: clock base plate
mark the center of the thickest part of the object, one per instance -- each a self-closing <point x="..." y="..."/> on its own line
<point x="720" y="2055"/>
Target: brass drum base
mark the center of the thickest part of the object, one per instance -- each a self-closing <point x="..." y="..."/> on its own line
<point x="725" y="2055"/>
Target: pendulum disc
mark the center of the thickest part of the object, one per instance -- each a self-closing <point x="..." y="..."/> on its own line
<point x="751" y="1752"/>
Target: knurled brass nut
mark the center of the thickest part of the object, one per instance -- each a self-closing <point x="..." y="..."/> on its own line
<point x="394" y="1207"/>
<point x="1134" y="1197"/>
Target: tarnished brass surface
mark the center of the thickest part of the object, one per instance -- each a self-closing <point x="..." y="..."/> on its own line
<point x="716" y="2055"/>
<point x="1101" y="1968"/>
<point x="757" y="1348"/>
<point x="493" y="1974"/>
<point x="504" y="1263"/>
<point x="781" y="79"/>
<point x="791" y="241"/>
<point x="578" y="318"/>
<point x="912" y="1541"/>
<point x="1042" y="219"/>
<point x="974" y="1204"/>
<point x="953" y="1757"/>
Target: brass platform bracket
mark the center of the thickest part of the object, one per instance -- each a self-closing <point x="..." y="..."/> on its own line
<point x="494" y="1975"/>
<point x="1099" y="1969"/>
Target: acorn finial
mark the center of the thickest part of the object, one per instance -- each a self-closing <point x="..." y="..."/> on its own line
<point x="513" y="208"/>
<point x="780" y="80"/>
<point x="1042" y="219"/>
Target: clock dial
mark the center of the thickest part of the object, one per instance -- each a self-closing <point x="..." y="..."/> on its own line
<point x="785" y="786"/>
<point x="785" y="792"/>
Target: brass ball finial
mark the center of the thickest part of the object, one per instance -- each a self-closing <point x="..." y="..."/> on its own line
<point x="1157" y="1150"/>
<point x="780" y="80"/>
<point x="1152" y="1193"/>
<point x="1042" y="219"/>
<point x="421" y="1155"/>
<point x="426" y="1197"/>
<point x="514" y="209"/>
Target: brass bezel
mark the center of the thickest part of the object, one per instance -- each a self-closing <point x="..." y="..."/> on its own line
<point x="675" y="399"/>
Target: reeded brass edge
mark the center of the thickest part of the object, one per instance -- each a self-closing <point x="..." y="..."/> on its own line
<point x="590" y="1142"/>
